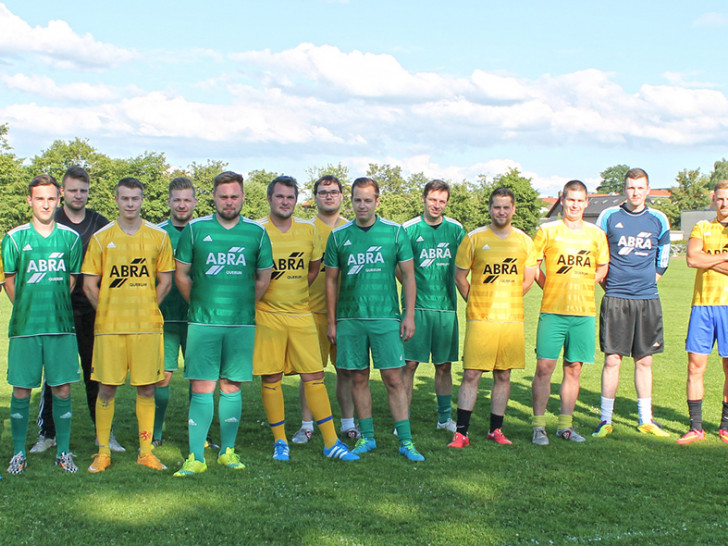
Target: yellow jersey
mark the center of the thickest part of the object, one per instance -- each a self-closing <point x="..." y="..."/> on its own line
<point x="497" y="268"/>
<point x="711" y="287"/>
<point x="293" y="251"/>
<point x="128" y="266"/>
<point x="571" y="258"/>
<point x="317" y="290"/>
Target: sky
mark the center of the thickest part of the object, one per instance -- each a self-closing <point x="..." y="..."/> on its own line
<point x="558" y="90"/>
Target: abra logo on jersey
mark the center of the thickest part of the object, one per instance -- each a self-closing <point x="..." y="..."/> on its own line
<point x="218" y="260"/>
<point x="291" y="264"/>
<point x="120" y="274"/>
<point x="360" y="260"/>
<point x="40" y="268"/>
<point x="643" y="241"/>
<point x="569" y="261"/>
<point x="492" y="271"/>
<point x="723" y="250"/>
<point x="430" y="255"/>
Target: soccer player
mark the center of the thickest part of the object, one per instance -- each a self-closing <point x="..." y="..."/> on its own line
<point x="364" y="312"/>
<point x="127" y="273"/>
<point x="285" y="330"/>
<point x="434" y="239"/>
<point x="182" y="202"/>
<point x="708" y="253"/>
<point x="224" y="265"/>
<point x="496" y="258"/>
<point x="327" y="193"/>
<point x="75" y="214"/>
<point x="41" y="261"/>
<point x="630" y="319"/>
<point x="576" y="256"/>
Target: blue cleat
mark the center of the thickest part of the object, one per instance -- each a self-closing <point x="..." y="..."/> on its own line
<point x="281" y="451"/>
<point x="340" y="451"/>
<point x="364" y="445"/>
<point x="409" y="450"/>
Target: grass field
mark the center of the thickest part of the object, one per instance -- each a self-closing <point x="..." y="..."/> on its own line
<point x="627" y="488"/>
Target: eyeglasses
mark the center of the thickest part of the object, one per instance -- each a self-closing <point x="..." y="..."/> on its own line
<point x="331" y="193"/>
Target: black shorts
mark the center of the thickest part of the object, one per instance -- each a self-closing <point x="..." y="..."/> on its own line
<point x="630" y="327"/>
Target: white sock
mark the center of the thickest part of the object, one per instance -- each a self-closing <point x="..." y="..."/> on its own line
<point x="644" y="409"/>
<point x="307" y="425"/>
<point x="347" y="424"/>
<point x="607" y="409"/>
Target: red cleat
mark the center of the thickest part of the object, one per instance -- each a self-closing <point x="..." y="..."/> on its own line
<point x="459" y="441"/>
<point x="499" y="438"/>
<point x="692" y="436"/>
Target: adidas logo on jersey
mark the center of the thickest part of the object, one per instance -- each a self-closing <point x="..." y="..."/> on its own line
<point x="619" y="225"/>
<point x="27" y="247"/>
<point x="486" y="246"/>
<point x="207" y="239"/>
<point x="111" y="245"/>
<point x="420" y="239"/>
<point x="347" y="243"/>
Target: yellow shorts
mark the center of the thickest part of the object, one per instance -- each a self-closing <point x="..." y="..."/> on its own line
<point x="117" y="355"/>
<point x="328" y="351"/>
<point x="285" y="343"/>
<point x="494" y="346"/>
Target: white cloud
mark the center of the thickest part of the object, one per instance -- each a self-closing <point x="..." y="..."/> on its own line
<point x="681" y="79"/>
<point x="711" y="19"/>
<point x="45" y="87"/>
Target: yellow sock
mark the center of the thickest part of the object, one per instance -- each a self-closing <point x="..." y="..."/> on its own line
<point x="145" y="420"/>
<point x="274" y="409"/>
<point x="318" y="402"/>
<point x="104" y="418"/>
<point x="565" y="421"/>
<point x="539" y="421"/>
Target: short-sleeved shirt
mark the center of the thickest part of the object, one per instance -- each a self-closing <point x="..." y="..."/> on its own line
<point x="223" y="268"/>
<point x="571" y="258"/>
<point x="367" y="259"/>
<point x="434" y="248"/>
<point x="639" y="248"/>
<point x="711" y="287"/>
<point x="128" y="267"/>
<point x="317" y="290"/>
<point x="293" y="251"/>
<point x="174" y="307"/>
<point x="497" y="266"/>
<point x="42" y="267"/>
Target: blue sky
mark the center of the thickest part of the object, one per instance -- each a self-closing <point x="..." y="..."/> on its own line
<point x="558" y="90"/>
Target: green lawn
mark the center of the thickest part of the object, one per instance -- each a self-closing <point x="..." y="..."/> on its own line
<point x="627" y="488"/>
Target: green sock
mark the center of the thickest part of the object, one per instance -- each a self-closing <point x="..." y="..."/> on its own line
<point x="229" y="408"/>
<point x="539" y="421"/>
<point x="444" y="407"/>
<point x="62" y="413"/>
<point x="565" y="421"/>
<point x="19" y="415"/>
<point x="366" y="427"/>
<point x="404" y="432"/>
<point x="161" y="400"/>
<point x="202" y="408"/>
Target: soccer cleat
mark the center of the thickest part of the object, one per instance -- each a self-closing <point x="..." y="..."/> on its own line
<point x="340" y="451"/>
<point x="570" y="435"/>
<point x="364" y="445"/>
<point x="499" y="438"/>
<point x="212" y="445"/>
<point x="230" y="459"/>
<point x="65" y="461"/>
<point x="150" y="460"/>
<point x="459" y="441"/>
<point x="157" y="443"/>
<point x="17" y="463"/>
<point x="281" y="452"/>
<point x="351" y="433"/>
<point x="190" y="467"/>
<point x="723" y="435"/>
<point x="539" y="436"/>
<point x="43" y="444"/>
<point x="302" y="436"/>
<point x="101" y="462"/>
<point x="653" y="427"/>
<point x="691" y="436"/>
<point x="449" y="425"/>
<point x="409" y="450"/>
<point x="603" y="430"/>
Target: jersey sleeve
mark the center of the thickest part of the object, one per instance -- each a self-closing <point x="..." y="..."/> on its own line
<point x="602" y="248"/>
<point x="184" y="245"/>
<point x="698" y="229"/>
<point x="662" y="258"/>
<point x="76" y="255"/>
<point x="404" y="247"/>
<point x="165" y="260"/>
<point x="318" y="245"/>
<point x="9" y="255"/>
<point x="530" y="255"/>
<point x="331" y="258"/>
<point x="537" y="249"/>
<point x="2" y="270"/>
<point x="93" y="260"/>
<point x="464" y="255"/>
<point x="265" y="252"/>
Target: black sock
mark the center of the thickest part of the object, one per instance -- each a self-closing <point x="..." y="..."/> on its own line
<point x="695" y="409"/>
<point x="724" y="419"/>
<point x="463" y="421"/>
<point x="496" y="421"/>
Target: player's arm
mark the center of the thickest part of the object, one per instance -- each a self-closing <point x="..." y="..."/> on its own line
<point x="10" y="287"/>
<point x="262" y="280"/>
<point x="164" y="284"/>
<point x="461" y="282"/>
<point x="91" y="288"/>
<point x="73" y="279"/>
<point x="540" y="275"/>
<point x="398" y="273"/>
<point x="183" y="280"/>
<point x="601" y="273"/>
<point x="332" y="293"/>
<point x="409" y="286"/>
<point x="313" y="271"/>
<point x="699" y="259"/>
<point x="529" y="275"/>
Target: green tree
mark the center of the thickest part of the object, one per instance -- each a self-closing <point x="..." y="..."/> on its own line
<point x="469" y="203"/>
<point x="314" y="173"/>
<point x="720" y="172"/>
<point x="692" y="190"/>
<point x="670" y="209"/>
<point x="612" y="179"/>
<point x="528" y="205"/>
<point x="14" y="179"/>
<point x="400" y="197"/>
<point x="256" y="188"/>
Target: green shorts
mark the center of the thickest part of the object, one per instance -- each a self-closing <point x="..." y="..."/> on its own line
<point x="175" y="338"/>
<point x="574" y="333"/>
<point x="55" y="355"/>
<point x="215" y="352"/>
<point x="436" y="333"/>
<point x="354" y="339"/>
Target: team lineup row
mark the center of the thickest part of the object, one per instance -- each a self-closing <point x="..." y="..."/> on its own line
<point x="242" y="298"/>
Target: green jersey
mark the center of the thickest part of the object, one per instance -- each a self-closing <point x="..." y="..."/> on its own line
<point x="434" y="249"/>
<point x="42" y="267"/>
<point x="366" y="259"/>
<point x="223" y="267"/>
<point x="174" y="307"/>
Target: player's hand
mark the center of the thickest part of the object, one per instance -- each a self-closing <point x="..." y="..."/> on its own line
<point x="331" y="333"/>
<point x="407" y="329"/>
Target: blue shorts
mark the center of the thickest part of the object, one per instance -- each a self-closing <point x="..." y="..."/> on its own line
<point x="708" y="323"/>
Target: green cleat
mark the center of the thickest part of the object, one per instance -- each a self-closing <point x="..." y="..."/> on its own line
<point x="653" y="427"/>
<point x="603" y="430"/>
<point x="230" y="459"/>
<point x="191" y="467"/>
